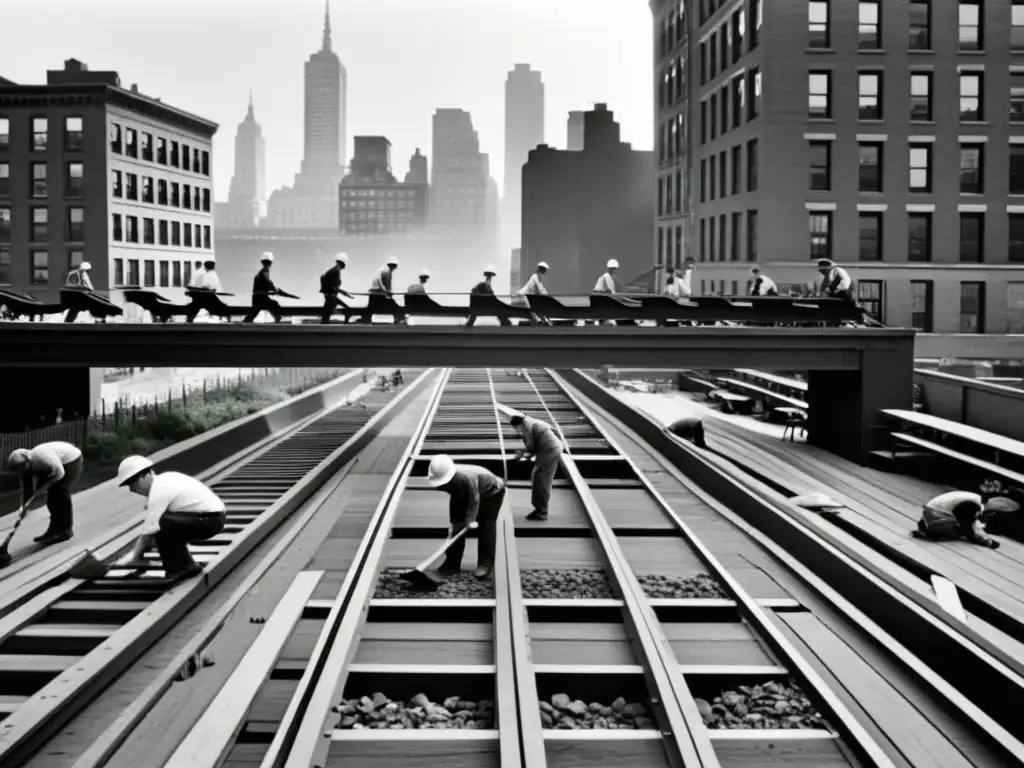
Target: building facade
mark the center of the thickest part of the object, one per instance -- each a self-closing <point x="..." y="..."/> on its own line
<point x="247" y="197"/>
<point x="93" y="172"/>
<point x="574" y="131"/>
<point x="458" y="193"/>
<point x="581" y="208"/>
<point x="887" y="136"/>
<point x="372" y="201"/>
<point x="524" y="130"/>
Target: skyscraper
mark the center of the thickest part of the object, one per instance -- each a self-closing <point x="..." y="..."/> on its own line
<point x="574" y="131"/>
<point x="247" y="197"/>
<point x="524" y="130"/>
<point x="458" y="193"/>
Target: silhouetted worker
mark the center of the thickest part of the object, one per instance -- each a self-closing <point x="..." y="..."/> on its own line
<point x="762" y="284"/>
<point x="960" y="514"/>
<point x="55" y="467"/>
<point x="836" y="282"/>
<point x="421" y="285"/>
<point x="606" y="282"/>
<point x="476" y="497"/>
<point x="196" y="281"/>
<point x="78" y="279"/>
<point x="484" y="288"/>
<point x="535" y="287"/>
<point x="180" y="510"/>
<point x="689" y="428"/>
<point x="203" y="289"/>
<point x="330" y="287"/>
<point x="543" y="444"/>
<point x="262" y="290"/>
<point x="381" y="299"/>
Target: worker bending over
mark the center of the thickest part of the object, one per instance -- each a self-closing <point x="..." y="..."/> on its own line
<point x="960" y="514"/>
<point x="78" y="279"/>
<point x="836" y="282"/>
<point x="381" y="300"/>
<point x="689" y="428"/>
<point x="330" y="287"/>
<point x="484" y="288"/>
<point x="762" y="285"/>
<point x="476" y="497"/>
<point x="263" y="289"/>
<point x="55" y="467"/>
<point x="535" y="287"/>
<point x="541" y="443"/>
<point x="606" y="282"/>
<point x="421" y="285"/>
<point x="180" y="510"/>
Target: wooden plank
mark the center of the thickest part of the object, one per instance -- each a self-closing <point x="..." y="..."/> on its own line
<point x="662" y="556"/>
<point x="429" y="509"/>
<point x="11" y="664"/>
<point x="715" y="643"/>
<point x="629" y="508"/>
<point x="782" y="753"/>
<point x="621" y="752"/>
<point x="988" y="466"/>
<point x="407" y="752"/>
<point x="9" y="704"/>
<point x="980" y="436"/>
<point x="213" y="735"/>
<point x="948" y="599"/>
<point x="782" y="381"/>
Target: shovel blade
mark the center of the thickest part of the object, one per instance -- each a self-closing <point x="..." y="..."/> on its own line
<point x="88" y="568"/>
<point x="422" y="581"/>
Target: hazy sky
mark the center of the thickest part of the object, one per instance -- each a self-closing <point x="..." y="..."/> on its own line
<point x="405" y="58"/>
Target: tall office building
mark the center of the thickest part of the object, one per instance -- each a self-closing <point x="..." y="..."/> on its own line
<point x="247" y="197"/>
<point x="886" y="136"/>
<point x="373" y="202"/>
<point x="458" y="181"/>
<point x="524" y="130"/>
<point x="574" y="131"/>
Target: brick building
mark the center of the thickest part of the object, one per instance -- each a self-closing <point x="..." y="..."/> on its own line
<point x="888" y="136"/>
<point x="372" y="201"/>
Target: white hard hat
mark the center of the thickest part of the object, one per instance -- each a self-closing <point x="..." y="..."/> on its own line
<point x="490" y="270"/>
<point x="612" y="264"/>
<point x="19" y="458"/>
<point x="267" y="256"/>
<point x="424" y="272"/>
<point x="131" y="468"/>
<point x="341" y="257"/>
<point x="85" y="265"/>
<point x="392" y="261"/>
<point x="542" y="265"/>
<point x="441" y="471"/>
<point x="815" y="501"/>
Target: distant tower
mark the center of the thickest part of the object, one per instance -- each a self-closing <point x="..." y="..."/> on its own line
<point x="247" y="197"/>
<point x="524" y="130"/>
<point x="417" y="169"/>
<point x="326" y="140"/>
<point x="458" y="181"/>
<point x="574" y="131"/>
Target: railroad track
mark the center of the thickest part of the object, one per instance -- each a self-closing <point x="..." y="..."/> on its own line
<point x="63" y="644"/>
<point x="610" y="634"/>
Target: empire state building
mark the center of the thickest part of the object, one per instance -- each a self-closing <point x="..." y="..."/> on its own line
<point x="312" y="201"/>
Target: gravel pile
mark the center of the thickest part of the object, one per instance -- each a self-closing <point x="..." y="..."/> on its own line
<point x="699" y="586"/>
<point x="771" y="705"/>
<point x="567" y="584"/>
<point x="567" y="714"/>
<point x="461" y="586"/>
<point x="380" y="712"/>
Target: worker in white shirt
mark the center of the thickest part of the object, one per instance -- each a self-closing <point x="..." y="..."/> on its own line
<point x="761" y="284"/>
<point x="535" y="287"/>
<point x="606" y="282"/>
<point x="180" y="510"/>
<point x="203" y="289"/>
<point x="421" y="285"/>
<point x="78" y="279"/>
<point x="381" y="300"/>
<point x="960" y="514"/>
<point x="836" y="282"/>
<point x="196" y="280"/>
<point x="55" y="467"/>
<point x="546" y="448"/>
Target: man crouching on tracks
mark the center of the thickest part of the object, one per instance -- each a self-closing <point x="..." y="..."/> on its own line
<point x="57" y="467"/>
<point x="542" y="443"/>
<point x="688" y="428"/>
<point x="476" y="496"/>
<point x="961" y="514"/>
<point x="180" y="511"/>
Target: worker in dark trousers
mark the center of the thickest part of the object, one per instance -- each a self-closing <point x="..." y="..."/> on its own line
<point x="420" y="286"/>
<point x="180" y="511"/>
<point x="78" y="279"/>
<point x="960" y="514"/>
<point x="541" y="443"/>
<point x="203" y="290"/>
<point x="381" y="299"/>
<point x="689" y="428"/>
<point x="55" y="467"/>
<point x="761" y="284"/>
<point x="836" y="282"/>
<point x="476" y="497"/>
<point x="330" y="287"/>
<point x="262" y="290"/>
<point x="484" y="288"/>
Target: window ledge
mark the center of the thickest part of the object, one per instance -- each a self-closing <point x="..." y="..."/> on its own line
<point x="921" y="51"/>
<point x="872" y="51"/>
<point x="872" y="121"/>
<point x="922" y="122"/>
<point x="974" y="122"/>
<point x="820" y="50"/>
<point x="831" y="120"/>
<point x="971" y="53"/>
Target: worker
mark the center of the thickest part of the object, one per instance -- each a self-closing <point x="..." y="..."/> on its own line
<point x="541" y="443"/>
<point x="381" y="300"/>
<point x="263" y="289"/>
<point x="535" y="287"/>
<point x="203" y="289"/>
<point x="55" y="467"/>
<point x="476" y="497"/>
<point x="762" y="285"/>
<point x="421" y="285"/>
<point x="960" y="514"/>
<point x="330" y="287"/>
<point x="196" y="281"/>
<point x="836" y="282"/>
<point x="180" y="510"/>
<point x="689" y="428"/>
<point x="484" y="288"/>
<point x="78" y="279"/>
<point x="606" y="282"/>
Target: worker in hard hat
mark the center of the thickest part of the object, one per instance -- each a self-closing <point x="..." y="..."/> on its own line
<point x="203" y="290"/>
<point x="485" y="288"/>
<point x="55" y="467"/>
<point x="689" y="428"/>
<point x="330" y="287"/>
<point x="761" y="284"/>
<point x="420" y="286"/>
<point x="544" y="446"/>
<point x="535" y="287"/>
<point x="78" y="279"/>
<point x="381" y="299"/>
<point x="263" y="289"/>
<point x="196" y="281"/>
<point x="476" y="497"/>
<point x="180" y="510"/>
<point x="836" y="282"/>
<point x="606" y="282"/>
<point x="961" y="514"/>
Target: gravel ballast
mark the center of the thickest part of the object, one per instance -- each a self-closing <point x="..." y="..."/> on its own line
<point x="567" y="714"/>
<point x="700" y="586"/>
<point x="378" y="712"/>
<point x="769" y="705"/>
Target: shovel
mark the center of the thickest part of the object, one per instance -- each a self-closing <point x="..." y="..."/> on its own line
<point x="88" y="568"/>
<point x="5" y="555"/>
<point x="418" y="577"/>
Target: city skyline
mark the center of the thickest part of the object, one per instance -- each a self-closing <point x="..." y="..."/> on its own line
<point x="587" y="50"/>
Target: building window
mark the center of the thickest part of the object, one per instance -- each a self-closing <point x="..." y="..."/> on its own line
<point x="118" y="272"/>
<point x="972" y="307"/>
<point x="920" y="25"/>
<point x="206" y="236"/>
<point x="972" y="236"/>
<point x="40" y="225"/>
<point x="186" y="157"/>
<point x="162" y="228"/>
<point x="870" y="96"/>
<point x="870" y="233"/>
<point x="819" y="102"/>
<point x="175" y="194"/>
<point x="5" y="225"/>
<point x="131" y="229"/>
<point x="871" y="297"/>
<point x="116" y="189"/>
<point x="186" y="196"/>
<point x="5" y="179"/>
<point x="149" y="274"/>
<point x="146" y="142"/>
<point x="711" y="239"/>
<point x="76" y="225"/>
<point x="39" y="185"/>
<point x="919" y="242"/>
<point x="174" y="155"/>
<point x="117" y="233"/>
<point x="73" y="136"/>
<point x="75" y="258"/>
<point x="703" y="181"/>
<point x="972" y="108"/>
<point x="723" y="175"/>
<point x="971" y="169"/>
<point x="921" y="96"/>
<point x="176" y="274"/>
<point x="5" y="133"/>
<point x="5" y="266"/>
<point x="821" y="234"/>
<point x="131" y="142"/>
<point x="161" y="191"/>
<point x="148" y="232"/>
<point x="187" y="269"/>
<point x="131" y="190"/>
<point x="752" y="165"/>
<point x="817" y="23"/>
<point x="1016" y="169"/>
<point x="734" y="237"/>
<point x="75" y="182"/>
<point x="40" y="134"/>
<point x="736" y="89"/>
<point x="755" y="23"/>
<point x="188" y="234"/>
<point x="735" y="166"/>
<point x="870" y="167"/>
<point x="920" y="167"/>
<point x="115" y="139"/>
<point x="197" y="234"/>
<point x="175" y="233"/>
<point x="40" y="267"/>
<point x="1017" y="97"/>
<point x="165" y="274"/>
<point x="161" y="151"/>
<point x="677" y="77"/>
<point x="869" y="31"/>
<point x="206" y="163"/>
<point x="1016" y="238"/>
<point x="754" y="89"/>
<point x="751" y="235"/>
<point x="921" y="305"/>
<point x="712" y="176"/>
<point x="133" y="272"/>
<point x="970" y="26"/>
<point x="821" y="165"/>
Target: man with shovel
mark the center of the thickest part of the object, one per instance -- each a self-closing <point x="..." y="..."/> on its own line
<point x="541" y="443"/>
<point x="56" y="468"/>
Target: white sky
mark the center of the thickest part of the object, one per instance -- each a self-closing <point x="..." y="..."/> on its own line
<point x="405" y="58"/>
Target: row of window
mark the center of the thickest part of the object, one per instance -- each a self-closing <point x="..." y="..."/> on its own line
<point x="706" y="9"/>
<point x="870" y="101"/>
<point x="919" y="236"/>
<point x="41" y="230"/>
<point x="725" y="241"/>
<point x="732" y="98"/>
<point x="125" y="229"/>
<point x="139" y="145"/>
<point x="672" y="29"/>
<point x="74" y="136"/>
<point x="39" y="182"/>
<point x="871" y="171"/>
<point x="870" y="37"/>
<point x="379" y="205"/>
<point x="188" y="196"/>
<point x="723" y="48"/>
<point x="154" y="274"/>
<point x="349" y="192"/>
<point x="40" y="273"/>
<point x="720" y="176"/>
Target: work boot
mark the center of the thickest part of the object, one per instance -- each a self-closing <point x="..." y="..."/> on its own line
<point x="450" y="570"/>
<point x="483" y="572"/>
<point x="53" y="537"/>
<point x="193" y="570"/>
<point x="537" y="515"/>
